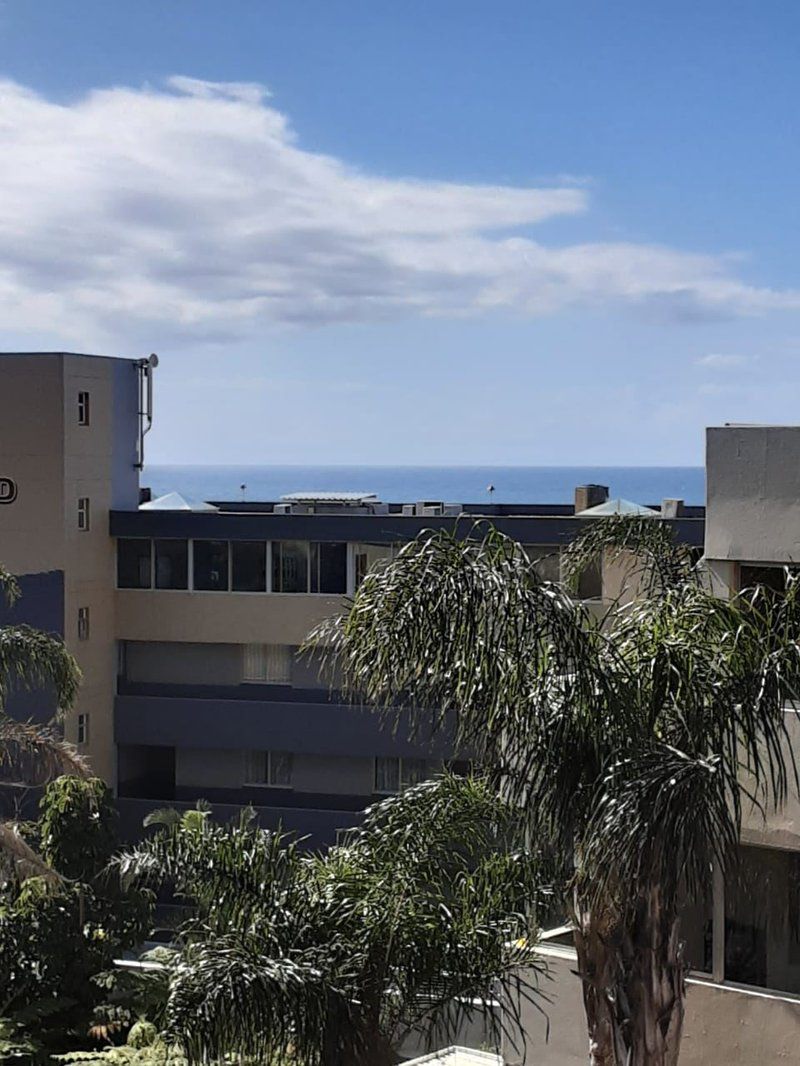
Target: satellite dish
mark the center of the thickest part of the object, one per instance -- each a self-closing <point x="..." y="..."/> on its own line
<point x="153" y="361"/>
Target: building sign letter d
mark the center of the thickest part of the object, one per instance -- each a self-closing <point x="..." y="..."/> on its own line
<point x="8" y="490"/>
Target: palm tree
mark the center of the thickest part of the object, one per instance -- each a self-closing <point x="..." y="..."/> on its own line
<point x="631" y="746"/>
<point x="414" y="922"/>
<point x="31" y="754"/>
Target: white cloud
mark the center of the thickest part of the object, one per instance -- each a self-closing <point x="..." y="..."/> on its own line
<point x="191" y="209"/>
<point x="721" y="361"/>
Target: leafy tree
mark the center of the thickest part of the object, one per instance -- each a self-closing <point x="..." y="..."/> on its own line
<point x="30" y="754"/>
<point x="58" y="931"/>
<point x="416" y="920"/>
<point x="631" y="747"/>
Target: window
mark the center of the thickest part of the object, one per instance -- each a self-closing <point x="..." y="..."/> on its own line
<point x="134" y="563"/>
<point x="290" y="566"/>
<point x="83" y="408"/>
<point x="329" y="568"/>
<point x="83" y="623"/>
<point x="366" y="556"/>
<point x="210" y="565"/>
<point x="268" y="663"/>
<point x="392" y="774"/>
<point x="83" y="728"/>
<point x="249" y="565"/>
<point x="271" y="768"/>
<point x="83" y="513"/>
<point x="298" y="566"/>
<point x="762" y="920"/>
<point x="172" y="564"/>
<point x="768" y="577"/>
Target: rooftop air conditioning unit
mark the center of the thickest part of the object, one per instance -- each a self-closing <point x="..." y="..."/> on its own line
<point x="282" y="508"/>
<point x="409" y="509"/>
<point x="430" y="508"/>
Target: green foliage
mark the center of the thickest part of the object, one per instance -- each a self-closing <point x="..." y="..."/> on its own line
<point x="55" y="936"/>
<point x="417" y="919"/>
<point x="133" y="995"/>
<point x="32" y="754"/>
<point x="632" y="747"/>
<point x="78" y="827"/>
<point x="661" y="561"/>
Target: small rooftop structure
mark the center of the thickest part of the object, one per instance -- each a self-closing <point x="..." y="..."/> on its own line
<point x="458" y="1056"/>
<point x="617" y="506"/>
<point x="173" y="501"/>
<point x="358" y="498"/>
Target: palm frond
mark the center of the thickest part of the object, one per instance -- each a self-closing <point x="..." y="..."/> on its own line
<point x="32" y="755"/>
<point x="654" y="553"/>
<point x="17" y="856"/>
<point x="9" y="587"/>
<point x="31" y="659"/>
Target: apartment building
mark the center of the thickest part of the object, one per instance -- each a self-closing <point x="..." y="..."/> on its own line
<point x="186" y="616"/>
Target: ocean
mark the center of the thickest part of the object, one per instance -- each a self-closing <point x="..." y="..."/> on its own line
<point x="454" y="484"/>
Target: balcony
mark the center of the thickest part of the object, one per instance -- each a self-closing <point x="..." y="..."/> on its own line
<point x="256" y="717"/>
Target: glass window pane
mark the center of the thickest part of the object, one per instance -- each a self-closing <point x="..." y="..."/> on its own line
<point x="762" y="920"/>
<point x="133" y="563"/>
<point x="280" y="769"/>
<point x="256" y="770"/>
<point x="369" y="555"/>
<point x="249" y="562"/>
<point x="270" y="663"/>
<point x="172" y="564"/>
<point x="290" y="566"/>
<point x="387" y="774"/>
<point x="210" y="565"/>
<point x="329" y="568"/>
<point x="413" y="771"/>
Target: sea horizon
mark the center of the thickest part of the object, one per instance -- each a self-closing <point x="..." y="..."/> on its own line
<point x="407" y="483"/>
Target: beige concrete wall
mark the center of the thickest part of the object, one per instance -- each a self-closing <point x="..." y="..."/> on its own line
<point x="89" y="555"/>
<point x="220" y="617"/>
<point x="339" y="774"/>
<point x="184" y="664"/>
<point x="209" y="767"/>
<point x="31" y="452"/>
<point x="777" y="828"/>
<point x="724" y="1026"/>
<point x="753" y="493"/>
<point x="623" y="577"/>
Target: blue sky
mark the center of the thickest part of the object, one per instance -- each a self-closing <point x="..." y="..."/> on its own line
<point x="541" y="232"/>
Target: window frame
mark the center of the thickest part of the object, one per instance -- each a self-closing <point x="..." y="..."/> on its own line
<point x="151" y="570"/>
<point x="175" y="540"/>
<point x="84" y="407"/>
<point x="191" y="560"/>
<point x="402" y="782"/>
<point x="83" y="623"/>
<point x="267" y="559"/>
<point x="84" y="514"/>
<point x="265" y="757"/>
<point x="250" y="680"/>
<point x="82" y="728"/>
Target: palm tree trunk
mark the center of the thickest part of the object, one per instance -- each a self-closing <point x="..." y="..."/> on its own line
<point x="656" y="984"/>
<point x="597" y="969"/>
<point x="633" y="977"/>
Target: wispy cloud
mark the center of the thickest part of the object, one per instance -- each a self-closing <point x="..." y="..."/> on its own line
<point x="191" y="209"/>
<point x="722" y="361"/>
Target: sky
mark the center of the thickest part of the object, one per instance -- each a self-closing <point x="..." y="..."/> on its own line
<point x="540" y="232"/>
